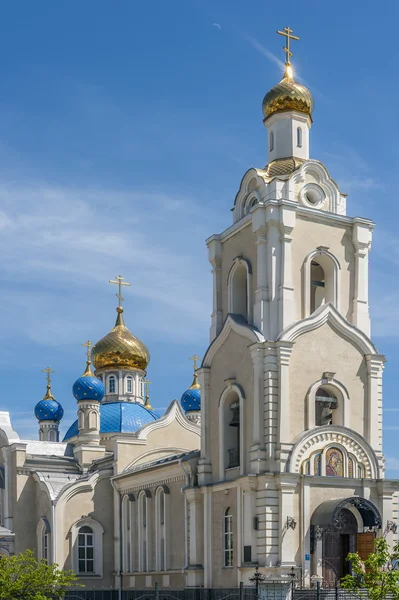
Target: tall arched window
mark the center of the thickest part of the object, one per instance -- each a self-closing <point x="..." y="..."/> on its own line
<point x="43" y="540"/>
<point x="52" y="435"/>
<point x="129" y="385"/>
<point x="86" y="550"/>
<point x="111" y="385"/>
<point x="299" y="137"/>
<point x="93" y="420"/>
<point x="160" y="530"/>
<point x="239" y="289"/>
<point x="81" y="419"/>
<point x="126" y="534"/>
<point x="326" y="403"/>
<point x="142" y="387"/>
<point x="143" y="532"/>
<point x="317" y="286"/>
<point x="271" y="141"/>
<point x="228" y="538"/>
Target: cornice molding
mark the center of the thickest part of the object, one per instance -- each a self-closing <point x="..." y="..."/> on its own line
<point x="173" y="413"/>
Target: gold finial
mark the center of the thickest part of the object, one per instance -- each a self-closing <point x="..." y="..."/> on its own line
<point x="88" y="371"/>
<point x="119" y="282"/>
<point x="147" y="395"/>
<point x="287" y="33"/>
<point x="195" y="385"/>
<point x="48" y="395"/>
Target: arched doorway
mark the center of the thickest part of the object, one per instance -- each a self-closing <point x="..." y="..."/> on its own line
<point x="340" y="527"/>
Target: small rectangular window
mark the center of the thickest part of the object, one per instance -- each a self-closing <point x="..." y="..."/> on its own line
<point x="247" y="554"/>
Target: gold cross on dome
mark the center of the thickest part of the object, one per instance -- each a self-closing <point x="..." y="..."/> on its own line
<point x="147" y="396"/>
<point x="120" y="282"/>
<point x="48" y="376"/>
<point x="88" y="345"/>
<point x="194" y="359"/>
<point x="287" y="34"/>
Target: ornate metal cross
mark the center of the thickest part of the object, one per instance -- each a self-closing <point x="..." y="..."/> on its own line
<point x="287" y="34"/>
<point x="88" y="345"/>
<point x="48" y="376"/>
<point x="194" y="359"/>
<point x="119" y="282"/>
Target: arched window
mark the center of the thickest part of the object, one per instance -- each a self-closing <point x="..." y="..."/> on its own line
<point x="81" y="419"/>
<point x="299" y="137"/>
<point x="87" y="547"/>
<point x="160" y="530"/>
<point x="52" y="435"/>
<point x="43" y="540"/>
<point x="239" y="289"/>
<point x="350" y="467"/>
<point x="86" y="550"/>
<point x="231" y="430"/>
<point x="317" y="286"/>
<point x="143" y="533"/>
<point x="271" y="141"/>
<point x="326" y="403"/>
<point x="111" y="385"/>
<point x="320" y="280"/>
<point x="228" y="538"/>
<point x="126" y="534"/>
<point x="129" y="385"/>
<point x="142" y="387"/>
<point x="93" y="420"/>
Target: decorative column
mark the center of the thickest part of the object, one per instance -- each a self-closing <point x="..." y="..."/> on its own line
<point x="361" y="237"/>
<point x="373" y="433"/>
<point x="204" y="463"/>
<point x="273" y="269"/>
<point x="215" y="258"/>
<point x="257" y="450"/>
<point x="287" y="313"/>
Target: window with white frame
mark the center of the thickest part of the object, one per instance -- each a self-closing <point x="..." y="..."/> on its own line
<point x="239" y="289"/>
<point x="111" y="385"/>
<point x="86" y="550"/>
<point x="43" y="540"/>
<point x="126" y="534"/>
<point x="271" y="141"/>
<point x="228" y="539"/>
<point x="129" y="385"/>
<point x="87" y="547"/>
<point x="299" y="137"/>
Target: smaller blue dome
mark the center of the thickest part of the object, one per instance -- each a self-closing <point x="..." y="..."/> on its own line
<point x="88" y="387"/>
<point x="191" y="399"/>
<point x="48" y="410"/>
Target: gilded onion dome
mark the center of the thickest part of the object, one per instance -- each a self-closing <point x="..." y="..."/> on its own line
<point x="287" y="95"/>
<point x="120" y="349"/>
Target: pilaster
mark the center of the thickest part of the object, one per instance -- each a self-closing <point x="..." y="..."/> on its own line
<point x="287" y="299"/>
<point x="284" y="350"/>
<point x="257" y="450"/>
<point x="261" y="300"/>
<point x="273" y="266"/>
<point x="373" y="433"/>
<point x="271" y="404"/>
<point x="215" y="258"/>
<point x="361" y="237"/>
<point x="288" y="537"/>
<point x="204" y="463"/>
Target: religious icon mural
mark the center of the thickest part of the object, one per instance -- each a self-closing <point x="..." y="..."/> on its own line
<point x="350" y="467"/>
<point x="317" y="464"/>
<point x="334" y="463"/>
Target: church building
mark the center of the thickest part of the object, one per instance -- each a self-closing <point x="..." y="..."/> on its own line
<point x="273" y="456"/>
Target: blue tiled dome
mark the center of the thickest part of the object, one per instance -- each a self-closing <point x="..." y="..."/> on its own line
<point x="88" y="387"/>
<point x="119" y="417"/>
<point x="49" y="410"/>
<point x="191" y="399"/>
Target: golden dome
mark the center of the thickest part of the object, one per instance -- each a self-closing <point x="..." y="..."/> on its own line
<point x="120" y="349"/>
<point x="287" y="95"/>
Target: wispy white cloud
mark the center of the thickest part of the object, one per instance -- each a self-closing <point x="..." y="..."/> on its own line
<point x="264" y="51"/>
<point x="392" y="463"/>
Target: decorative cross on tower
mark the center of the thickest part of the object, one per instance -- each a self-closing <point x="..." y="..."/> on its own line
<point x="147" y="395"/>
<point x="119" y="282"/>
<point x="287" y="34"/>
<point x="48" y="395"/>
<point x="88" y="345"/>
<point x="194" y="359"/>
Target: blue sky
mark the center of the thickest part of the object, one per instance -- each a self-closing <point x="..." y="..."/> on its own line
<point x="125" y="129"/>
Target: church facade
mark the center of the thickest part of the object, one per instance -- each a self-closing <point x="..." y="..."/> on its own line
<point x="273" y="457"/>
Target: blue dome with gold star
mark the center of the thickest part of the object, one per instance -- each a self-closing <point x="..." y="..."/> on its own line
<point x="119" y="417"/>
<point x="88" y="387"/>
<point x="191" y="399"/>
<point x="49" y="409"/>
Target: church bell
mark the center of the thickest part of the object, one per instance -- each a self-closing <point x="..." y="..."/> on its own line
<point x="235" y="419"/>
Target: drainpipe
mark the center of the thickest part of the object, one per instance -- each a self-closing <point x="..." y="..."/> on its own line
<point x="187" y="476"/>
<point x="119" y="572"/>
<point x="53" y="533"/>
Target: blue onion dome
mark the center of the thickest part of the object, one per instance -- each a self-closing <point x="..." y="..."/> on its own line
<point x="49" y="409"/>
<point x="191" y="399"/>
<point x="119" y="417"/>
<point x="88" y="386"/>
